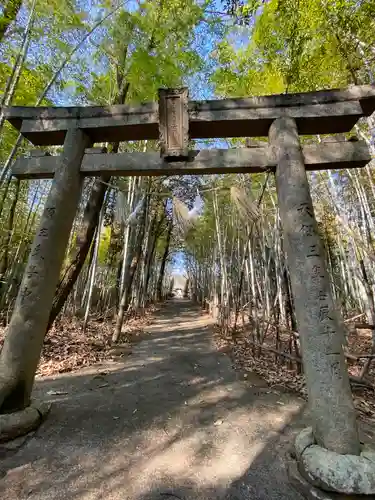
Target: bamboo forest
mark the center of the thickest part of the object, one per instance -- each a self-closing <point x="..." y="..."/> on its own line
<point x="187" y="249"/>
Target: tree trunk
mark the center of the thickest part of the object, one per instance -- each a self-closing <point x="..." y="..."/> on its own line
<point x="13" y="80"/>
<point x="124" y="302"/>
<point x="91" y="218"/>
<point x="93" y="269"/>
<point x="159" y="287"/>
<point x="8" y="235"/>
<point x="127" y="230"/>
<point x="146" y="245"/>
<point x="24" y="340"/>
<point x="133" y="267"/>
<point x="9" y="16"/>
<point x="371" y="307"/>
<point x="84" y="240"/>
<point x="327" y="380"/>
<point x="150" y="254"/>
<point x="4" y="194"/>
<point x="22" y="247"/>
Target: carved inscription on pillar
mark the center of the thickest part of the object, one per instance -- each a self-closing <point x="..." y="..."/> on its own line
<point x="174" y="123"/>
<point x="314" y="251"/>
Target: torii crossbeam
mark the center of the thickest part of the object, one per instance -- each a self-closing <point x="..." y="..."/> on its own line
<point x="322" y="112"/>
<point x="173" y="121"/>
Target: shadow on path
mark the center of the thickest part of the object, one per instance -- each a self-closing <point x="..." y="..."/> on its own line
<point x="173" y="420"/>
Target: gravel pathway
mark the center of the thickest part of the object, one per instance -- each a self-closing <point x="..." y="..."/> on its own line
<point x="172" y="420"/>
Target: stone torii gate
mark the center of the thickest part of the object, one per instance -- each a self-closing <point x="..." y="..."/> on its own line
<point x="174" y="120"/>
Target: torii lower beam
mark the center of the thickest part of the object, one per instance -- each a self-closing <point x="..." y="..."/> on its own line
<point x="333" y="155"/>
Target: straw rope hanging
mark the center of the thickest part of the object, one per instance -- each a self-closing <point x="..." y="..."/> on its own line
<point x="246" y="208"/>
<point x="181" y="215"/>
<point x="185" y="218"/>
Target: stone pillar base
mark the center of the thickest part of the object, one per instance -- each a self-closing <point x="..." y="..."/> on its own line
<point x="310" y="492"/>
<point x="323" y="474"/>
<point x="19" y="423"/>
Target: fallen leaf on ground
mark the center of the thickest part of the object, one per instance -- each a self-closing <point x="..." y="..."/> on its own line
<point x="67" y="347"/>
<point x="281" y="373"/>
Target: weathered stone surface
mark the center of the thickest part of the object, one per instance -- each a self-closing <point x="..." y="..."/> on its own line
<point x="324" y="112"/>
<point x="332" y="410"/>
<point x="330" y="471"/>
<point x="174" y="122"/>
<point x="35" y="153"/>
<point x="14" y="425"/>
<point x="310" y="492"/>
<point x="248" y="160"/>
<point x="42" y="407"/>
<point x="24" y="338"/>
<point x="303" y="440"/>
<point x="353" y="93"/>
<point x="228" y="122"/>
<point x="95" y="151"/>
<point x="368" y="453"/>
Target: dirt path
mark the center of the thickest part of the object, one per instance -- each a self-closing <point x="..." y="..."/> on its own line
<point x="172" y="421"/>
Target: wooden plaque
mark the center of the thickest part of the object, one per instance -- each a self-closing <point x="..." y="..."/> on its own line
<point x="174" y="123"/>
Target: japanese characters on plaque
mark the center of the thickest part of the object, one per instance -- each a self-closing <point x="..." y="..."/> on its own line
<point x="174" y="124"/>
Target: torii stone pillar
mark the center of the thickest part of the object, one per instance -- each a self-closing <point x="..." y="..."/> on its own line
<point x="327" y="380"/>
<point x="24" y="339"/>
